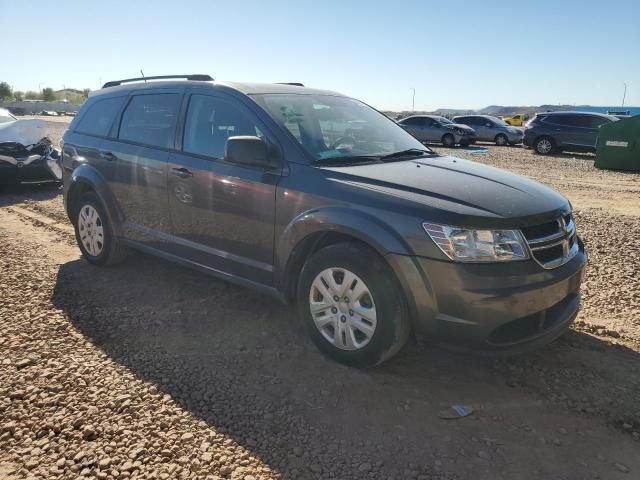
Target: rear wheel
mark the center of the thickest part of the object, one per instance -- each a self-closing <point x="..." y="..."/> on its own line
<point x="351" y="305"/>
<point x="94" y="235"/>
<point x="448" y="140"/>
<point x="544" y="146"/>
<point x="501" y="140"/>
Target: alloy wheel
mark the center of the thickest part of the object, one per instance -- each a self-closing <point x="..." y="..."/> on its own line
<point x="544" y="146"/>
<point x="342" y="308"/>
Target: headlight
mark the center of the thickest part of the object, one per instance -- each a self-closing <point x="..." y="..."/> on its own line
<point x="465" y="245"/>
<point x="460" y="131"/>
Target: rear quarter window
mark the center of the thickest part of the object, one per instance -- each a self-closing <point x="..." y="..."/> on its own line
<point x="150" y="119"/>
<point x="99" y="117"/>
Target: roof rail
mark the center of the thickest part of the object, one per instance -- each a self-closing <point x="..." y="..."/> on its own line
<point x="295" y="84"/>
<point x="198" y="77"/>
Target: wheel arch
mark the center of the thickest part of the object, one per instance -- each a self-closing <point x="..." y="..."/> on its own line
<point x="311" y="231"/>
<point x="85" y="179"/>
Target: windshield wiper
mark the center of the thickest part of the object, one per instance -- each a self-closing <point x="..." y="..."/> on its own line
<point x="411" y="152"/>
<point x="349" y="160"/>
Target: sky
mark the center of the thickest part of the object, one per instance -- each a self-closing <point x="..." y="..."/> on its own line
<point x="461" y="54"/>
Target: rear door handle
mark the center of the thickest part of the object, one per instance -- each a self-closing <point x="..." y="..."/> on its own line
<point x="181" y="172"/>
<point x="108" y="156"/>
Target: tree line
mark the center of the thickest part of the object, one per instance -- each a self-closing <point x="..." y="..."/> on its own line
<point x="47" y="94"/>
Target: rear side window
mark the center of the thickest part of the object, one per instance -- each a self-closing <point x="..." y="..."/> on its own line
<point x="150" y="119"/>
<point x="210" y="121"/>
<point x="559" y="120"/>
<point x="412" y="121"/>
<point x="99" y="118"/>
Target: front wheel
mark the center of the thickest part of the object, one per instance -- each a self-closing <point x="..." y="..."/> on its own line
<point x="94" y="235"/>
<point x="448" y="140"/>
<point x="351" y="305"/>
<point x="501" y="140"/>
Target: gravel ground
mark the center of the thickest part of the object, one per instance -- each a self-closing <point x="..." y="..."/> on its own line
<point x="148" y="370"/>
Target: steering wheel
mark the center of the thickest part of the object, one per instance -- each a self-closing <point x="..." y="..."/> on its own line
<point x="341" y="140"/>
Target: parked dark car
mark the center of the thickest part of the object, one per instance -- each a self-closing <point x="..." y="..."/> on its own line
<point x="322" y="201"/>
<point x="437" y="129"/>
<point x="492" y="129"/>
<point x="557" y="131"/>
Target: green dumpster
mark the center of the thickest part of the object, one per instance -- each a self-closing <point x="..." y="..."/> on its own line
<point x="618" y="146"/>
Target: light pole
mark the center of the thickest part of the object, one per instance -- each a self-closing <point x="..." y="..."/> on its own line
<point x="413" y="98"/>
<point x="624" y="95"/>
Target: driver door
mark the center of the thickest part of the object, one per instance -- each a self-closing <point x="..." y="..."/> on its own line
<point x="222" y="214"/>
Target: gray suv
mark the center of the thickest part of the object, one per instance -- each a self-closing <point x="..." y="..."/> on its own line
<point x="437" y="129"/>
<point x="492" y="129"/>
<point x="323" y="202"/>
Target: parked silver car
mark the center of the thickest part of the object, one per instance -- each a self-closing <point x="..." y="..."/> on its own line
<point x="492" y="129"/>
<point x="436" y="129"/>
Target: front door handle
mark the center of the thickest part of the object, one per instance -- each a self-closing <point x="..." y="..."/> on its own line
<point x="108" y="156"/>
<point x="181" y="172"/>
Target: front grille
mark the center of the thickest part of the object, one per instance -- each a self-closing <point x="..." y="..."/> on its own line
<point x="554" y="243"/>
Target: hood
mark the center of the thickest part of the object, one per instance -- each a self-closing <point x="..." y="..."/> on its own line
<point x="459" y="126"/>
<point x="442" y="186"/>
<point x="25" y="132"/>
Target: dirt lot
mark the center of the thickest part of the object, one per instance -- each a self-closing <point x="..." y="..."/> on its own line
<point x="149" y="370"/>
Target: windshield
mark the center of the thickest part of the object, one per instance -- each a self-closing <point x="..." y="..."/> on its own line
<point x="6" y="117"/>
<point x="334" y="127"/>
<point x="443" y="120"/>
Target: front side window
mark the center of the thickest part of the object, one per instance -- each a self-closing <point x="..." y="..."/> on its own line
<point x="100" y="116"/>
<point x="150" y="119"/>
<point x="211" y="121"/>
<point x="332" y="127"/>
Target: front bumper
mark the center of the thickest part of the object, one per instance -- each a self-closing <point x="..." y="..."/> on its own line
<point x="492" y="308"/>
<point x="466" y="138"/>
<point x="34" y="172"/>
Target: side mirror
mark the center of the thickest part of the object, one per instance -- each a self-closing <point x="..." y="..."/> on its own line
<point x="489" y="125"/>
<point x="249" y="151"/>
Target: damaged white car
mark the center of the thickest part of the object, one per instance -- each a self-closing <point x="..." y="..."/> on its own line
<point x="26" y="154"/>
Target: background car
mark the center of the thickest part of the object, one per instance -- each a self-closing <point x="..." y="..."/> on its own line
<point x="557" y="131"/>
<point x="436" y="129"/>
<point x="516" y="120"/>
<point x="492" y="129"/>
<point x="26" y="154"/>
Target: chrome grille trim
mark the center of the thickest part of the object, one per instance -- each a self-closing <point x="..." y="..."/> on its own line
<point x="565" y="236"/>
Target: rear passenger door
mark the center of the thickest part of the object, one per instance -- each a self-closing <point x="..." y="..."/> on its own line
<point x="84" y="143"/>
<point x="430" y="130"/>
<point x="140" y="154"/>
<point x="222" y="214"/>
<point x="566" y="129"/>
<point x="414" y="125"/>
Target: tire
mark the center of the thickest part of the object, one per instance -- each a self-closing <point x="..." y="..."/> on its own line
<point x="101" y="246"/>
<point x="501" y="140"/>
<point x="448" y="140"/>
<point x="544" y="146"/>
<point x="357" y="264"/>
